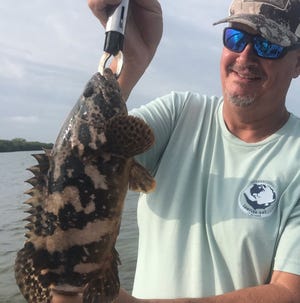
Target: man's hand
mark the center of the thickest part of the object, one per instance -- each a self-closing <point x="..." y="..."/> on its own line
<point x="142" y="35"/>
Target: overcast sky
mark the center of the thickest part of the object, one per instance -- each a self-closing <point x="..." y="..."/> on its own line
<point x="49" y="49"/>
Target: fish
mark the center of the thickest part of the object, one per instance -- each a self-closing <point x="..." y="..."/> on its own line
<point x="77" y="198"/>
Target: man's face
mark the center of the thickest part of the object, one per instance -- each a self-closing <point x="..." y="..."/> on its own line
<point x="247" y="78"/>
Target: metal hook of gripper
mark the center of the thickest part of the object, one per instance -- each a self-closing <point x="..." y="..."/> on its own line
<point x="114" y="38"/>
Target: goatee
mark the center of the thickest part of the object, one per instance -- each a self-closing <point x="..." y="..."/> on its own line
<point x="241" y="101"/>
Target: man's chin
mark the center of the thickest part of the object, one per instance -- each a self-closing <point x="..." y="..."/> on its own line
<point x="241" y="101"/>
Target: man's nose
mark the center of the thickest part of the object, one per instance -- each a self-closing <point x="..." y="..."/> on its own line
<point x="248" y="53"/>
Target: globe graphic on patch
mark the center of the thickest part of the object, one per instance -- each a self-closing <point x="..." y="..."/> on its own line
<point x="258" y="199"/>
<point x="261" y="196"/>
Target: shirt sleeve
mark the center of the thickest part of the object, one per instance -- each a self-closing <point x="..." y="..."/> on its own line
<point x="161" y="115"/>
<point x="287" y="257"/>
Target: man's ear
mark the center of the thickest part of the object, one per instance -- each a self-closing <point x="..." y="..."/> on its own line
<point x="297" y="67"/>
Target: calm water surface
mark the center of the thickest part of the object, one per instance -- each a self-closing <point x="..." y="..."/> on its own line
<point x="12" y="186"/>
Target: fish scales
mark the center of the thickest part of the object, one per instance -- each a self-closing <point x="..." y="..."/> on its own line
<point x="77" y="198"/>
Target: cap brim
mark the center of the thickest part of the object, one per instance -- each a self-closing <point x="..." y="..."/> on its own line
<point x="269" y="29"/>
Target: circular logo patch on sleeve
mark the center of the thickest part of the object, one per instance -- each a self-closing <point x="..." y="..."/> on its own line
<point x="259" y="199"/>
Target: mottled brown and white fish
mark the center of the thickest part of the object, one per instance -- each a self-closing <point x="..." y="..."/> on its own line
<point x="77" y="199"/>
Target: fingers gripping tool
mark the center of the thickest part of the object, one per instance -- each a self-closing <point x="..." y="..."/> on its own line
<point x="114" y="38"/>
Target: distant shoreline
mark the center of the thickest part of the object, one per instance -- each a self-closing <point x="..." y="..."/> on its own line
<point x="20" y="144"/>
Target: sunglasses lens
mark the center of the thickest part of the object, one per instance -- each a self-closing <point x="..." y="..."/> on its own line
<point x="266" y="49"/>
<point x="234" y="40"/>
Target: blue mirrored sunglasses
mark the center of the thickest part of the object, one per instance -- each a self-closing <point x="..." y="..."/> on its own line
<point x="236" y="40"/>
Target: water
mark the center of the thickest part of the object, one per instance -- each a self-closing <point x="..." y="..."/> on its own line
<point x="12" y="186"/>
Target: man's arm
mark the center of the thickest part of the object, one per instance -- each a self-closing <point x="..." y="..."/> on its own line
<point x="283" y="288"/>
<point x="142" y="35"/>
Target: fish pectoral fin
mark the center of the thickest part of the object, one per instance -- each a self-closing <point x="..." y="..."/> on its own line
<point x="140" y="180"/>
<point x="128" y="136"/>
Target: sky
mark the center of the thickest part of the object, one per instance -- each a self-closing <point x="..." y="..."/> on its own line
<point x="49" y="50"/>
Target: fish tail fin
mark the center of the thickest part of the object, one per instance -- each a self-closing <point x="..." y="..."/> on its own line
<point x="101" y="290"/>
<point x="105" y="287"/>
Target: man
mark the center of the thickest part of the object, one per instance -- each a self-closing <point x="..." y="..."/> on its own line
<point x="224" y="222"/>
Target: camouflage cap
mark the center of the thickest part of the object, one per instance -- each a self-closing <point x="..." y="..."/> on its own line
<point x="276" y="20"/>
